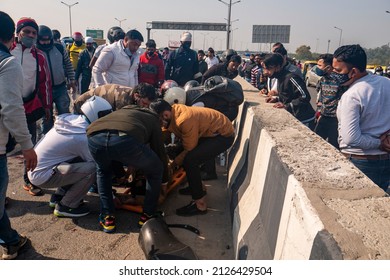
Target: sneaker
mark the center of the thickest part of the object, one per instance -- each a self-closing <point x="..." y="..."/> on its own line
<point x="64" y="211"/>
<point x="145" y="217"/>
<point x="107" y="223"/>
<point x="11" y="251"/>
<point x="54" y="200"/>
<point x="93" y="189"/>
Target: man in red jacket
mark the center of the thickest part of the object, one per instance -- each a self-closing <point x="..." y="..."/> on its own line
<point x="151" y="66"/>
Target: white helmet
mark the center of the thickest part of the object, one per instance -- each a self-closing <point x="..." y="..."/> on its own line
<point x="175" y="95"/>
<point x="95" y="107"/>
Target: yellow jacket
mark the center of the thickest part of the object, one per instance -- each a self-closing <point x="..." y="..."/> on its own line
<point x="192" y="123"/>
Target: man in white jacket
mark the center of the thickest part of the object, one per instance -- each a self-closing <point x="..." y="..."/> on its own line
<point x="64" y="160"/>
<point x="118" y="63"/>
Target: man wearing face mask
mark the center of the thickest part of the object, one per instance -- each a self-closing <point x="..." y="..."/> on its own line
<point x="61" y="69"/>
<point x="83" y="68"/>
<point x="363" y="114"/>
<point x="118" y="63"/>
<point x="76" y="48"/>
<point x="293" y="94"/>
<point x="183" y="65"/>
<point x="37" y="87"/>
<point x="151" y="66"/>
<point x="330" y="92"/>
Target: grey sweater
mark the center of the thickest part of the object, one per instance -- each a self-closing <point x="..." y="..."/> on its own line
<point x="12" y="115"/>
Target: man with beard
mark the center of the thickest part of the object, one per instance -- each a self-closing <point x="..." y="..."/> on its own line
<point x="363" y="114"/>
<point x="205" y="133"/>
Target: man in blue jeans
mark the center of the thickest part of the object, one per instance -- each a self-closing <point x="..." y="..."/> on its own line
<point x="363" y="114"/>
<point x="13" y="120"/>
<point x="132" y="136"/>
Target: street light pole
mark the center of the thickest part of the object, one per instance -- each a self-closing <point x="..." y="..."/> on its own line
<point x="341" y="33"/>
<point x="70" y="15"/>
<point x="327" y="51"/>
<point x="120" y="21"/>
<point x="230" y="4"/>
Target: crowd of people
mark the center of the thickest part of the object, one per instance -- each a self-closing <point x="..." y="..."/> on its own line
<point x="117" y="108"/>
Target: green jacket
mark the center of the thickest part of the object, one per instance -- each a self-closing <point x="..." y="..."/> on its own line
<point x="140" y="123"/>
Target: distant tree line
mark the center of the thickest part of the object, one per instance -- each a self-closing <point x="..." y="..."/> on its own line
<point x="376" y="56"/>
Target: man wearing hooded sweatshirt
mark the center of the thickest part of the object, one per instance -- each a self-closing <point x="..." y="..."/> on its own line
<point x="64" y="160"/>
<point x="183" y="65"/>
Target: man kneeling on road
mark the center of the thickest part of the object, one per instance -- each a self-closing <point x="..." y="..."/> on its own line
<point x="64" y="160"/>
<point x="132" y="136"/>
<point x="205" y="133"/>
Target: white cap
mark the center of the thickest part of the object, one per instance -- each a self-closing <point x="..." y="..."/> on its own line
<point x="186" y="37"/>
<point x="89" y="40"/>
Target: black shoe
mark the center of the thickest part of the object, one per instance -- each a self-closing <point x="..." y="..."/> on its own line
<point x="208" y="177"/>
<point x="190" y="210"/>
<point x="64" y="211"/>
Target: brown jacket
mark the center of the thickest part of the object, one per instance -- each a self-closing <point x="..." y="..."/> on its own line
<point x="192" y="123"/>
<point x="118" y="96"/>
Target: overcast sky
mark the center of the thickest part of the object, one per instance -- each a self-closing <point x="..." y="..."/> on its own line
<point x="312" y="21"/>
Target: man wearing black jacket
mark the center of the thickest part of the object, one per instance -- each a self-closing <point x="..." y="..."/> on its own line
<point x="293" y="94"/>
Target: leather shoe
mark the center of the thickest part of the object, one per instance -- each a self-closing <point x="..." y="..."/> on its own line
<point x="209" y="177"/>
<point x="190" y="210"/>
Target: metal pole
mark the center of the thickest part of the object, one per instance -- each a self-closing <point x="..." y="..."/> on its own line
<point x="70" y="15"/>
<point x="341" y="33"/>
<point x="120" y="21"/>
<point x="228" y="25"/>
<point x="327" y="51"/>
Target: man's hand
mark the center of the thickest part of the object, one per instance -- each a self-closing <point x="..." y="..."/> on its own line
<point x="263" y="91"/>
<point x="271" y="99"/>
<point x="272" y="92"/>
<point x="73" y="85"/>
<point x="279" y="105"/>
<point x="31" y="159"/>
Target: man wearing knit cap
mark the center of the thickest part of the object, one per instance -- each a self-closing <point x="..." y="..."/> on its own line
<point x="37" y="88"/>
<point x="182" y="65"/>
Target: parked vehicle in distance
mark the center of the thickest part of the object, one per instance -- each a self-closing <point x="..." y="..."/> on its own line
<point x="307" y="65"/>
<point x="311" y="78"/>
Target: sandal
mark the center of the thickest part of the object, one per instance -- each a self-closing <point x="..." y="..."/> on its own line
<point x="33" y="190"/>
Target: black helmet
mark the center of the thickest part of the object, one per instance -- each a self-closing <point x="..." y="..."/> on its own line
<point x="191" y="84"/>
<point x="115" y="34"/>
<point x="44" y="33"/>
<point x="228" y="54"/>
